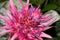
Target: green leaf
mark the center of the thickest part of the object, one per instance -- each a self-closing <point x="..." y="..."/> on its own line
<point x="2" y="0"/>
<point x="58" y="23"/>
<point x="36" y="2"/>
<point x="58" y="26"/>
<point x="58" y="38"/>
<point x="58" y="9"/>
<point x="50" y="7"/>
<point x="55" y="2"/>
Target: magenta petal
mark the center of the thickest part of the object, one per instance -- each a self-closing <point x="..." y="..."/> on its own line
<point x="46" y="28"/>
<point x="40" y="38"/>
<point x="12" y="5"/>
<point x="48" y="22"/>
<point x="6" y="20"/>
<point x="45" y="35"/>
<point x="4" y="32"/>
<point x="27" y="4"/>
<point x="26" y="24"/>
<point x="21" y="36"/>
<point x="8" y="15"/>
<point x="21" y="3"/>
<point x="14" y="36"/>
<point x="6" y="27"/>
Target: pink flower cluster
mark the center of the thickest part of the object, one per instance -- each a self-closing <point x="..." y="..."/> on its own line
<point x="26" y="24"/>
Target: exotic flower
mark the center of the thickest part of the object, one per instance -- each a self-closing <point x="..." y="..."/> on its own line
<point x="26" y="24"/>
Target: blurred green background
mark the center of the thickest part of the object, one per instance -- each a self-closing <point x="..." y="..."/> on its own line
<point x="46" y="5"/>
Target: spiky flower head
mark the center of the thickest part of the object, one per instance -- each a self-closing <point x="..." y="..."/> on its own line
<point x="26" y="24"/>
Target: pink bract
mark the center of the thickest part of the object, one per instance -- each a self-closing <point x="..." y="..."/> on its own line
<point x="26" y="24"/>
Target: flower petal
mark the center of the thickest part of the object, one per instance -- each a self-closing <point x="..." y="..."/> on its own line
<point x="21" y="3"/>
<point x="4" y="19"/>
<point x="9" y="15"/>
<point x="6" y="27"/>
<point x="40" y="38"/>
<point x="46" y="18"/>
<point x="12" y="5"/>
<point x="49" y="22"/>
<point x="4" y="32"/>
<point x="21" y="36"/>
<point x="45" y="35"/>
<point x="27" y="4"/>
<point x="46" y="28"/>
<point x="14" y="36"/>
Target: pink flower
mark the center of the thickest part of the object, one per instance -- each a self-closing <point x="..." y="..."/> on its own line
<point x="27" y="24"/>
